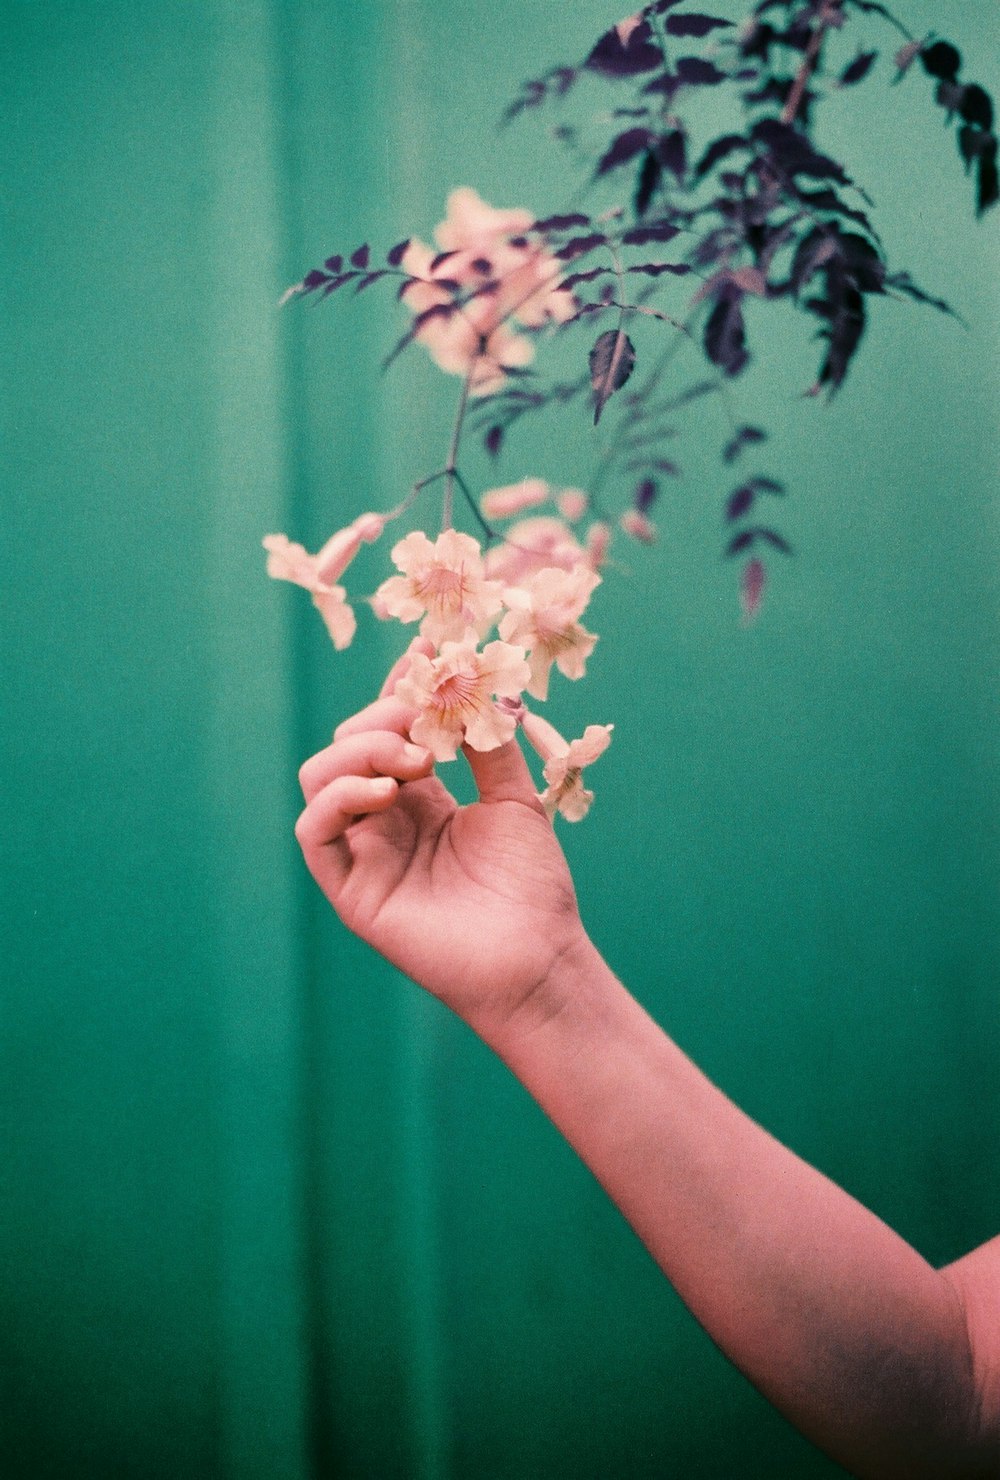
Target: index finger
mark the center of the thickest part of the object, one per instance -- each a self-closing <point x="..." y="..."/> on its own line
<point x="398" y="669"/>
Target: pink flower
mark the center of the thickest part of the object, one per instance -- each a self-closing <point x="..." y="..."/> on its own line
<point x="442" y="582"/>
<point x="572" y="504"/>
<point x="638" y="526"/>
<point x="564" y="763"/>
<point x="531" y="545"/>
<point x="287" y="561"/>
<point x="501" y="503"/>
<point x="542" y="618"/>
<point x="752" y="589"/>
<point x="598" y="543"/>
<point x="493" y="274"/>
<point x="453" y="694"/>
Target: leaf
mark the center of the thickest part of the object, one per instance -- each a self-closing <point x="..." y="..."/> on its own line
<point x="905" y="57"/>
<point x="360" y="257"/>
<point x="440" y="260"/>
<point x="741" y="542"/>
<point x="611" y="361"/>
<point x="941" y="59"/>
<point x="700" y="72"/>
<point x="395" y="256"/>
<point x="338" y="282"/>
<point x="611" y="57"/>
<point x="649" y="178"/>
<point x="645" y="495"/>
<point x="655" y="231"/>
<point x="313" y="279"/>
<point x="369" y="278"/>
<point x="739" y="502"/>
<point x="858" y="69"/>
<point x="977" y="106"/>
<point x="573" y="278"/>
<point x="793" y="153"/>
<point x="334" y="264"/>
<point x="624" y="148"/>
<point x="656" y="269"/>
<point x="742" y="438"/>
<point x="578" y="245"/>
<point x="814" y="251"/>
<point x="725" y="335"/>
<point x="693" y="25"/>
<point x="672" y="152"/>
<point x="778" y="541"/>
<point x="720" y="148"/>
<point x="988" y="187"/>
<point x="493" y="439"/>
<point x="561" y="223"/>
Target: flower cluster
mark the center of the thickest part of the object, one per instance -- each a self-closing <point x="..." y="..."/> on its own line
<point x="489" y="274"/>
<point x="533" y="588"/>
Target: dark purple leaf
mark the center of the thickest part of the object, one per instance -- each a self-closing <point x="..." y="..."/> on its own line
<point x="905" y="57"/>
<point x="693" y="25"/>
<point x="649" y="178"/>
<point x="741" y="542"/>
<point x="815" y="249"/>
<point x="645" y="495"/>
<point x="612" y="361"/>
<point x="369" y="278"/>
<point x="857" y="70"/>
<point x="313" y="280"/>
<point x="845" y="312"/>
<point x="742" y="438"/>
<point x="578" y="245"/>
<point x="739" y="502"/>
<point x="827" y="199"/>
<point x="775" y="539"/>
<point x="793" y="154"/>
<point x="988" y="186"/>
<point x="561" y="223"/>
<point x="624" y="148"/>
<point x="656" y="269"/>
<point x="721" y="148"/>
<point x="612" y="57"/>
<point x="440" y="260"/>
<point x="334" y="263"/>
<point x="672" y="152"/>
<point x="655" y="231"/>
<point x="395" y="256"/>
<point x="584" y="277"/>
<point x="941" y="59"/>
<point x="696" y="70"/>
<point x="338" y="282"/>
<point x="977" y="106"/>
<point x="493" y="439"/>
<point x="360" y="257"/>
<point x="725" y="334"/>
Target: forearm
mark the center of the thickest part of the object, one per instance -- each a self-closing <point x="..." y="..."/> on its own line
<point x="835" y="1318"/>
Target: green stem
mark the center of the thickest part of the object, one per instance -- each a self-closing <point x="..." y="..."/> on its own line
<point x="450" y="471"/>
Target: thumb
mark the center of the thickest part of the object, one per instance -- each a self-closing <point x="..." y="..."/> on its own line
<point x="502" y="775"/>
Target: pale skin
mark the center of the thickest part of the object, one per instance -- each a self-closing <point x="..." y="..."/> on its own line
<point x="889" y="1365"/>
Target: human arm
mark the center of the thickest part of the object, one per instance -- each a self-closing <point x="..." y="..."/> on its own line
<point x="838" y="1321"/>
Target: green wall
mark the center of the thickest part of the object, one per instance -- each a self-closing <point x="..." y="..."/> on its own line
<point x="265" y="1211"/>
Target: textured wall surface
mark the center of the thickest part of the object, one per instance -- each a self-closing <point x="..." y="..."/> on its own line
<point x="266" y="1212"/>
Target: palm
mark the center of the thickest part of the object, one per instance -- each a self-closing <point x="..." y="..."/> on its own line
<point x="473" y="902"/>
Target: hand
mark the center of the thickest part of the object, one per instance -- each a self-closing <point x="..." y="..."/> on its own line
<point x="475" y="903"/>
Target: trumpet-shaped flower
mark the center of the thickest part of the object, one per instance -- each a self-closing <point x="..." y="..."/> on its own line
<point x="543" y="618"/>
<point x="287" y="561"/>
<point x="502" y="503"/>
<point x="444" y="583"/>
<point x="531" y="545"/>
<point x="635" y="523"/>
<point x="488" y="274"/>
<point x="453" y="694"/>
<point x="563" y="764"/>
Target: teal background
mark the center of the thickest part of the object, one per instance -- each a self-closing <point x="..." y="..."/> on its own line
<point x="265" y="1211"/>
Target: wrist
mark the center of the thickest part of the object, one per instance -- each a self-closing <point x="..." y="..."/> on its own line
<point x="573" y="974"/>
